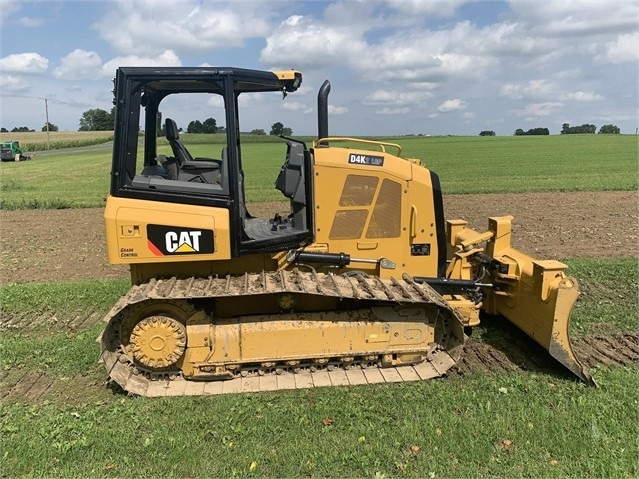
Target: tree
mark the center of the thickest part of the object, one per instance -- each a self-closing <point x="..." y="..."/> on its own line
<point x="532" y="131"/>
<point x="4" y="130"/>
<point x="52" y="127"/>
<point x="97" y="119"/>
<point x="566" y="129"/>
<point x="487" y="133"/>
<point x="258" y="132"/>
<point x="209" y="126"/>
<point x="276" y="129"/>
<point x="609" y="130"/>
<point x="194" y="127"/>
<point x="21" y="129"/>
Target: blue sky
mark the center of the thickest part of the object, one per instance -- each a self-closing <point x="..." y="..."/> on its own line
<point x="396" y="66"/>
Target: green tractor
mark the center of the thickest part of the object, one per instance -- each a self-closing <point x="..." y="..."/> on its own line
<point x="11" y="151"/>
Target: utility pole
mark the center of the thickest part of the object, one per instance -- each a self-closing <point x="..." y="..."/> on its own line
<point x="46" y="113"/>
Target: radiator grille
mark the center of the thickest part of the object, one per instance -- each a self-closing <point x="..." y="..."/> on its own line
<point x="386" y="218"/>
<point x="348" y="224"/>
<point x="358" y="190"/>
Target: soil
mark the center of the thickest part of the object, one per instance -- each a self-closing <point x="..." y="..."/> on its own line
<point x="50" y="245"/>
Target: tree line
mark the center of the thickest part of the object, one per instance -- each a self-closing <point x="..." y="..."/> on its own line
<point x="566" y="129"/>
<point x="97" y="119"/>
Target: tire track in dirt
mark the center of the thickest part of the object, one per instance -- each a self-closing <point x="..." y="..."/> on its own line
<point x="75" y="323"/>
<point x="478" y="358"/>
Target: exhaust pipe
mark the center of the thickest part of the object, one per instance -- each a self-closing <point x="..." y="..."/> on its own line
<point x="322" y="109"/>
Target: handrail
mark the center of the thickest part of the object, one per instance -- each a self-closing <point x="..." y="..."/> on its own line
<point x="380" y="144"/>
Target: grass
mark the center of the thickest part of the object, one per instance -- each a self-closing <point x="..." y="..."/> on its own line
<point x="609" y="295"/>
<point x="64" y="297"/>
<point x="465" y="165"/>
<point x="505" y="425"/>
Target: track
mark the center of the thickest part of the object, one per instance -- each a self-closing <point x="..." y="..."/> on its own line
<point x="478" y="358"/>
<point x="367" y="291"/>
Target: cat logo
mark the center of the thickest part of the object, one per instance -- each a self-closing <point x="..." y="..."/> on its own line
<point x="168" y="240"/>
<point x="185" y="242"/>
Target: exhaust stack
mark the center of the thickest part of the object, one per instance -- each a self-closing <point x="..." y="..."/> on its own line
<point x="322" y="109"/>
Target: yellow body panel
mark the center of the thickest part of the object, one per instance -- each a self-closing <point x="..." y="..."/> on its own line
<point x="127" y="222"/>
<point x="373" y="211"/>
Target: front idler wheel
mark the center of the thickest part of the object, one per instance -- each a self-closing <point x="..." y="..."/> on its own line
<point x="158" y="342"/>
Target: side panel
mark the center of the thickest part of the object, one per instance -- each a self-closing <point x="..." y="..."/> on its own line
<point x="140" y="231"/>
<point x="374" y="205"/>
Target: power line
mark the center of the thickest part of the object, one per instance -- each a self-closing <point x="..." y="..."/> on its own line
<point x="46" y="112"/>
<point x="52" y="100"/>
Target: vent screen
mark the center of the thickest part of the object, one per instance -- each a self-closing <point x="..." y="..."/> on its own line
<point x="358" y="190"/>
<point x="348" y="224"/>
<point x="386" y="217"/>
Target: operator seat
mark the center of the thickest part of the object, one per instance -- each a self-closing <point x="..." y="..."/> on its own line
<point x="179" y="150"/>
<point x="184" y="167"/>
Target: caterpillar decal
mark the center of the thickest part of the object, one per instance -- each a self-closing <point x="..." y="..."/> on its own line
<point x="168" y="240"/>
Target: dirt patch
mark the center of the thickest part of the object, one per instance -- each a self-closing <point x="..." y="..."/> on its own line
<point x="50" y="245"/>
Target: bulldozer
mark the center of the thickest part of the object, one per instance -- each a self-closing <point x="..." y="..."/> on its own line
<point x="361" y="280"/>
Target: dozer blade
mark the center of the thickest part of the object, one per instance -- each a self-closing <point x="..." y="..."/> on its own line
<point x="535" y="295"/>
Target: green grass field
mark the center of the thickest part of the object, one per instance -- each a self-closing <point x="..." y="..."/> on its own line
<point x="501" y="425"/>
<point x="465" y="165"/>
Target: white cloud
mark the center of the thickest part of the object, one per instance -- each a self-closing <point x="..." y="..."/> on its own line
<point x="79" y="64"/>
<point x="30" y="22"/>
<point x="578" y="18"/>
<point x="166" y="59"/>
<point x="24" y="63"/>
<point x="296" y="106"/>
<point x="393" y="111"/>
<point x="454" y="104"/>
<point x="303" y="42"/>
<point x="418" y="9"/>
<point x="148" y="27"/>
<point x="394" y="97"/>
<point x="335" y="110"/>
<point x="584" y="96"/>
<point x="7" y="8"/>
<point x="14" y="83"/>
<point x="623" y="49"/>
<point x="534" y="110"/>
<point x="533" y="89"/>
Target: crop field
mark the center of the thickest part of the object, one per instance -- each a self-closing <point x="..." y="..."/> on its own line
<point x="507" y="411"/>
<point x="34" y="141"/>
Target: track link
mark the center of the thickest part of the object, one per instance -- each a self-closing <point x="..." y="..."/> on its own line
<point x="365" y="289"/>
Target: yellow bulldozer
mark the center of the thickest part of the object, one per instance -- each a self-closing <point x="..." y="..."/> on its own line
<point x="360" y="281"/>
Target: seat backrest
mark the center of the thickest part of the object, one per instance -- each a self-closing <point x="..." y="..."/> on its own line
<point x="179" y="150"/>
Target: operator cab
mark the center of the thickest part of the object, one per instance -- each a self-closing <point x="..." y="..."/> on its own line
<point x="171" y="166"/>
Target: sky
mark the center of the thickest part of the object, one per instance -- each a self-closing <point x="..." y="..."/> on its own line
<point x="397" y="67"/>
